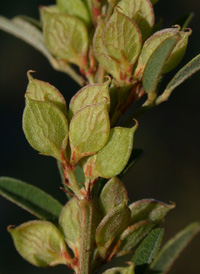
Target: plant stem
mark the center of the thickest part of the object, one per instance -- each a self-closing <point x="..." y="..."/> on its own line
<point x="87" y="220"/>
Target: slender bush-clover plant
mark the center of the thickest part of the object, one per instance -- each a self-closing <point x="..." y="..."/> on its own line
<point x="117" y="53"/>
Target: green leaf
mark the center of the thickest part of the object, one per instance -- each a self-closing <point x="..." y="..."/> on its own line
<point x="135" y="156"/>
<point x="41" y="91"/>
<point x="172" y="249"/>
<point x="155" y="41"/>
<point x="184" y="20"/>
<point x="89" y="130"/>
<point x="100" y="50"/>
<point x="110" y="228"/>
<point x="187" y="71"/>
<point x="141" y="11"/>
<point x="154" y="1"/>
<point x="40" y="243"/>
<point x="149" y="209"/>
<point x="113" y="194"/>
<point x="113" y="157"/>
<point x="76" y="8"/>
<point x="45" y="127"/>
<point x="155" y="65"/>
<point x="121" y="270"/>
<point x="30" y="198"/>
<point x="90" y="94"/>
<point x="123" y="40"/>
<point x="69" y="222"/>
<point x="147" y="250"/>
<point x="66" y="37"/>
<point x="133" y="235"/>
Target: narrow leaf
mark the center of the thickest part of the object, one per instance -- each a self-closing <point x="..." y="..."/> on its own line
<point x="45" y="127"/>
<point x="89" y="130"/>
<point x="76" y="8"/>
<point x="113" y="194"/>
<point x="90" y="94"/>
<point x="155" y="65"/>
<point x="69" y="222"/>
<point x="113" y="157"/>
<point x="147" y="250"/>
<point x="184" y="20"/>
<point x="133" y="235"/>
<point x="66" y="37"/>
<point x="187" y="71"/>
<point x="30" y="198"/>
<point x="149" y="209"/>
<point x="172" y="249"/>
<point x="110" y="228"/>
<point x="40" y="243"/>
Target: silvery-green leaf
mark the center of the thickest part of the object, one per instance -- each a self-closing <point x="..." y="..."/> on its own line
<point x="42" y="91"/>
<point x="76" y="8"/>
<point x="89" y="130"/>
<point x="147" y="250"/>
<point x="69" y="222"/>
<point x="183" y="74"/>
<point x="121" y="270"/>
<point x="90" y="94"/>
<point x="100" y="50"/>
<point x="40" y="243"/>
<point x="113" y="157"/>
<point x="66" y="37"/>
<point x="30" y="198"/>
<point x="149" y="209"/>
<point x="123" y="40"/>
<point x="113" y="194"/>
<point x="141" y="11"/>
<point x="45" y="127"/>
<point x="172" y="249"/>
<point x="133" y="235"/>
<point x="154" y="42"/>
<point x="110" y="228"/>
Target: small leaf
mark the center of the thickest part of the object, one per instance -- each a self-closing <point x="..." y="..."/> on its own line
<point x="89" y="130"/>
<point x="141" y="11"/>
<point x="147" y="250"/>
<point x="30" y="198"/>
<point x="101" y="52"/>
<point x="172" y="249"/>
<point x="123" y="39"/>
<point x="135" y="156"/>
<point x="45" y="127"/>
<point x="66" y="37"/>
<point x="42" y="91"/>
<point x="187" y="71"/>
<point x="113" y="157"/>
<point x="133" y="235"/>
<point x="40" y="243"/>
<point x="113" y="194"/>
<point x="184" y="20"/>
<point x="75" y="8"/>
<point x="121" y="270"/>
<point x="110" y="228"/>
<point x="154" y="1"/>
<point x="155" y="65"/>
<point x="149" y="209"/>
<point x="155" y="41"/>
<point x="90" y="94"/>
<point x="70" y="224"/>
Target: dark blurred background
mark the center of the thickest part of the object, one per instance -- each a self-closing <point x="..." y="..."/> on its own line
<point x="169" y="134"/>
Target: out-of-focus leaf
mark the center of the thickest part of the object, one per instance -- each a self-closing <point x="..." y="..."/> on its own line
<point x="110" y="228"/>
<point x="121" y="270"/>
<point x="40" y="243"/>
<point x="172" y="249"/>
<point x="184" y="20"/>
<point x="147" y="250"/>
<point x="186" y="72"/>
<point x="113" y="194"/>
<point x="89" y="130"/>
<point x="30" y="198"/>
<point x="149" y="209"/>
